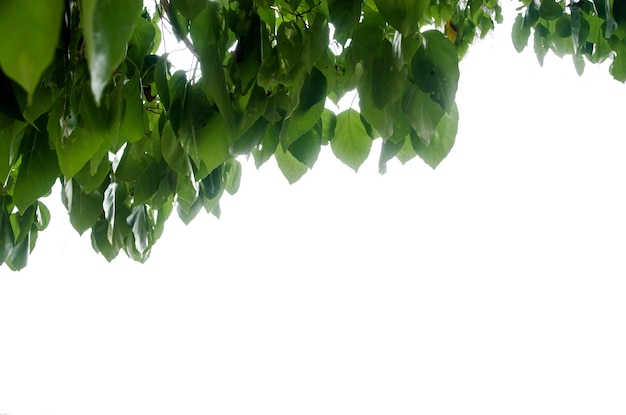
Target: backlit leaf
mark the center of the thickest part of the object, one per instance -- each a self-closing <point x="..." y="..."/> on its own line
<point x="351" y="143"/>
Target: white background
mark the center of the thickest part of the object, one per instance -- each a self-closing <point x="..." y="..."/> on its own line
<point x="493" y="285"/>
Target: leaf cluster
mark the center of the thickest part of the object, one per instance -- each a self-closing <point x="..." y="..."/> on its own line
<point x="587" y="30"/>
<point x="90" y="102"/>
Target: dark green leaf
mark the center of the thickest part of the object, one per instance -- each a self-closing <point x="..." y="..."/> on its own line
<point x="307" y="148"/>
<point x="7" y="237"/>
<point x="344" y="15"/>
<point x="550" y="10"/>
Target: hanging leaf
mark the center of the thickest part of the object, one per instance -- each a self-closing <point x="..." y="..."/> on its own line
<point x="403" y="15"/>
<point x="108" y="27"/>
<point x="442" y="141"/>
<point x="435" y="68"/>
<point x="38" y="171"/>
<point x="351" y="143"/>
<point x="30" y="32"/>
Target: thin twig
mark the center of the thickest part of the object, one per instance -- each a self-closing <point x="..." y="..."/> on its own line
<point x="165" y="4"/>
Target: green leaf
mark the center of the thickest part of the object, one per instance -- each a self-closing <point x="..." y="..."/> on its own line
<point x="76" y="150"/>
<point x="38" y="170"/>
<point x="250" y="139"/>
<point x="10" y="139"/>
<point x="115" y="213"/>
<point x="141" y="42"/>
<point x="388" y="151"/>
<point x="292" y="168"/>
<point x="213" y="142"/>
<point x="387" y="83"/>
<point x="43" y="216"/>
<point x="30" y="32"/>
<point x="563" y="26"/>
<point x="422" y="112"/>
<point x="173" y="152"/>
<point x="160" y="78"/>
<point x="268" y="145"/>
<point x="618" y="66"/>
<point x="309" y="111"/>
<point x="9" y="104"/>
<point x="139" y="222"/>
<point x="7" y="237"/>
<point x="289" y="47"/>
<point x="84" y="209"/>
<point x="550" y="10"/>
<point x="232" y="171"/>
<point x="435" y="68"/>
<point x="520" y="34"/>
<point x="351" y="143"/>
<point x="107" y="27"/>
<point x="18" y="258"/>
<point x="307" y="148"/>
<point x="441" y="142"/>
<point x="189" y="8"/>
<point x="316" y="42"/>
<point x="134" y="121"/>
<point x="344" y="15"/>
<point x="403" y="15"/>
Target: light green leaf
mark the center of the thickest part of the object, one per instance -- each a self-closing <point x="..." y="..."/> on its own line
<point x="292" y="168"/>
<point x="441" y="142"/>
<point x="351" y="143"/>
<point x="435" y="68"/>
<point x="30" y="32"/>
<point x="520" y="34"/>
<point x="107" y="27"/>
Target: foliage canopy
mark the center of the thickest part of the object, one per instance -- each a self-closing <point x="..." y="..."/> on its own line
<point x="86" y="100"/>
